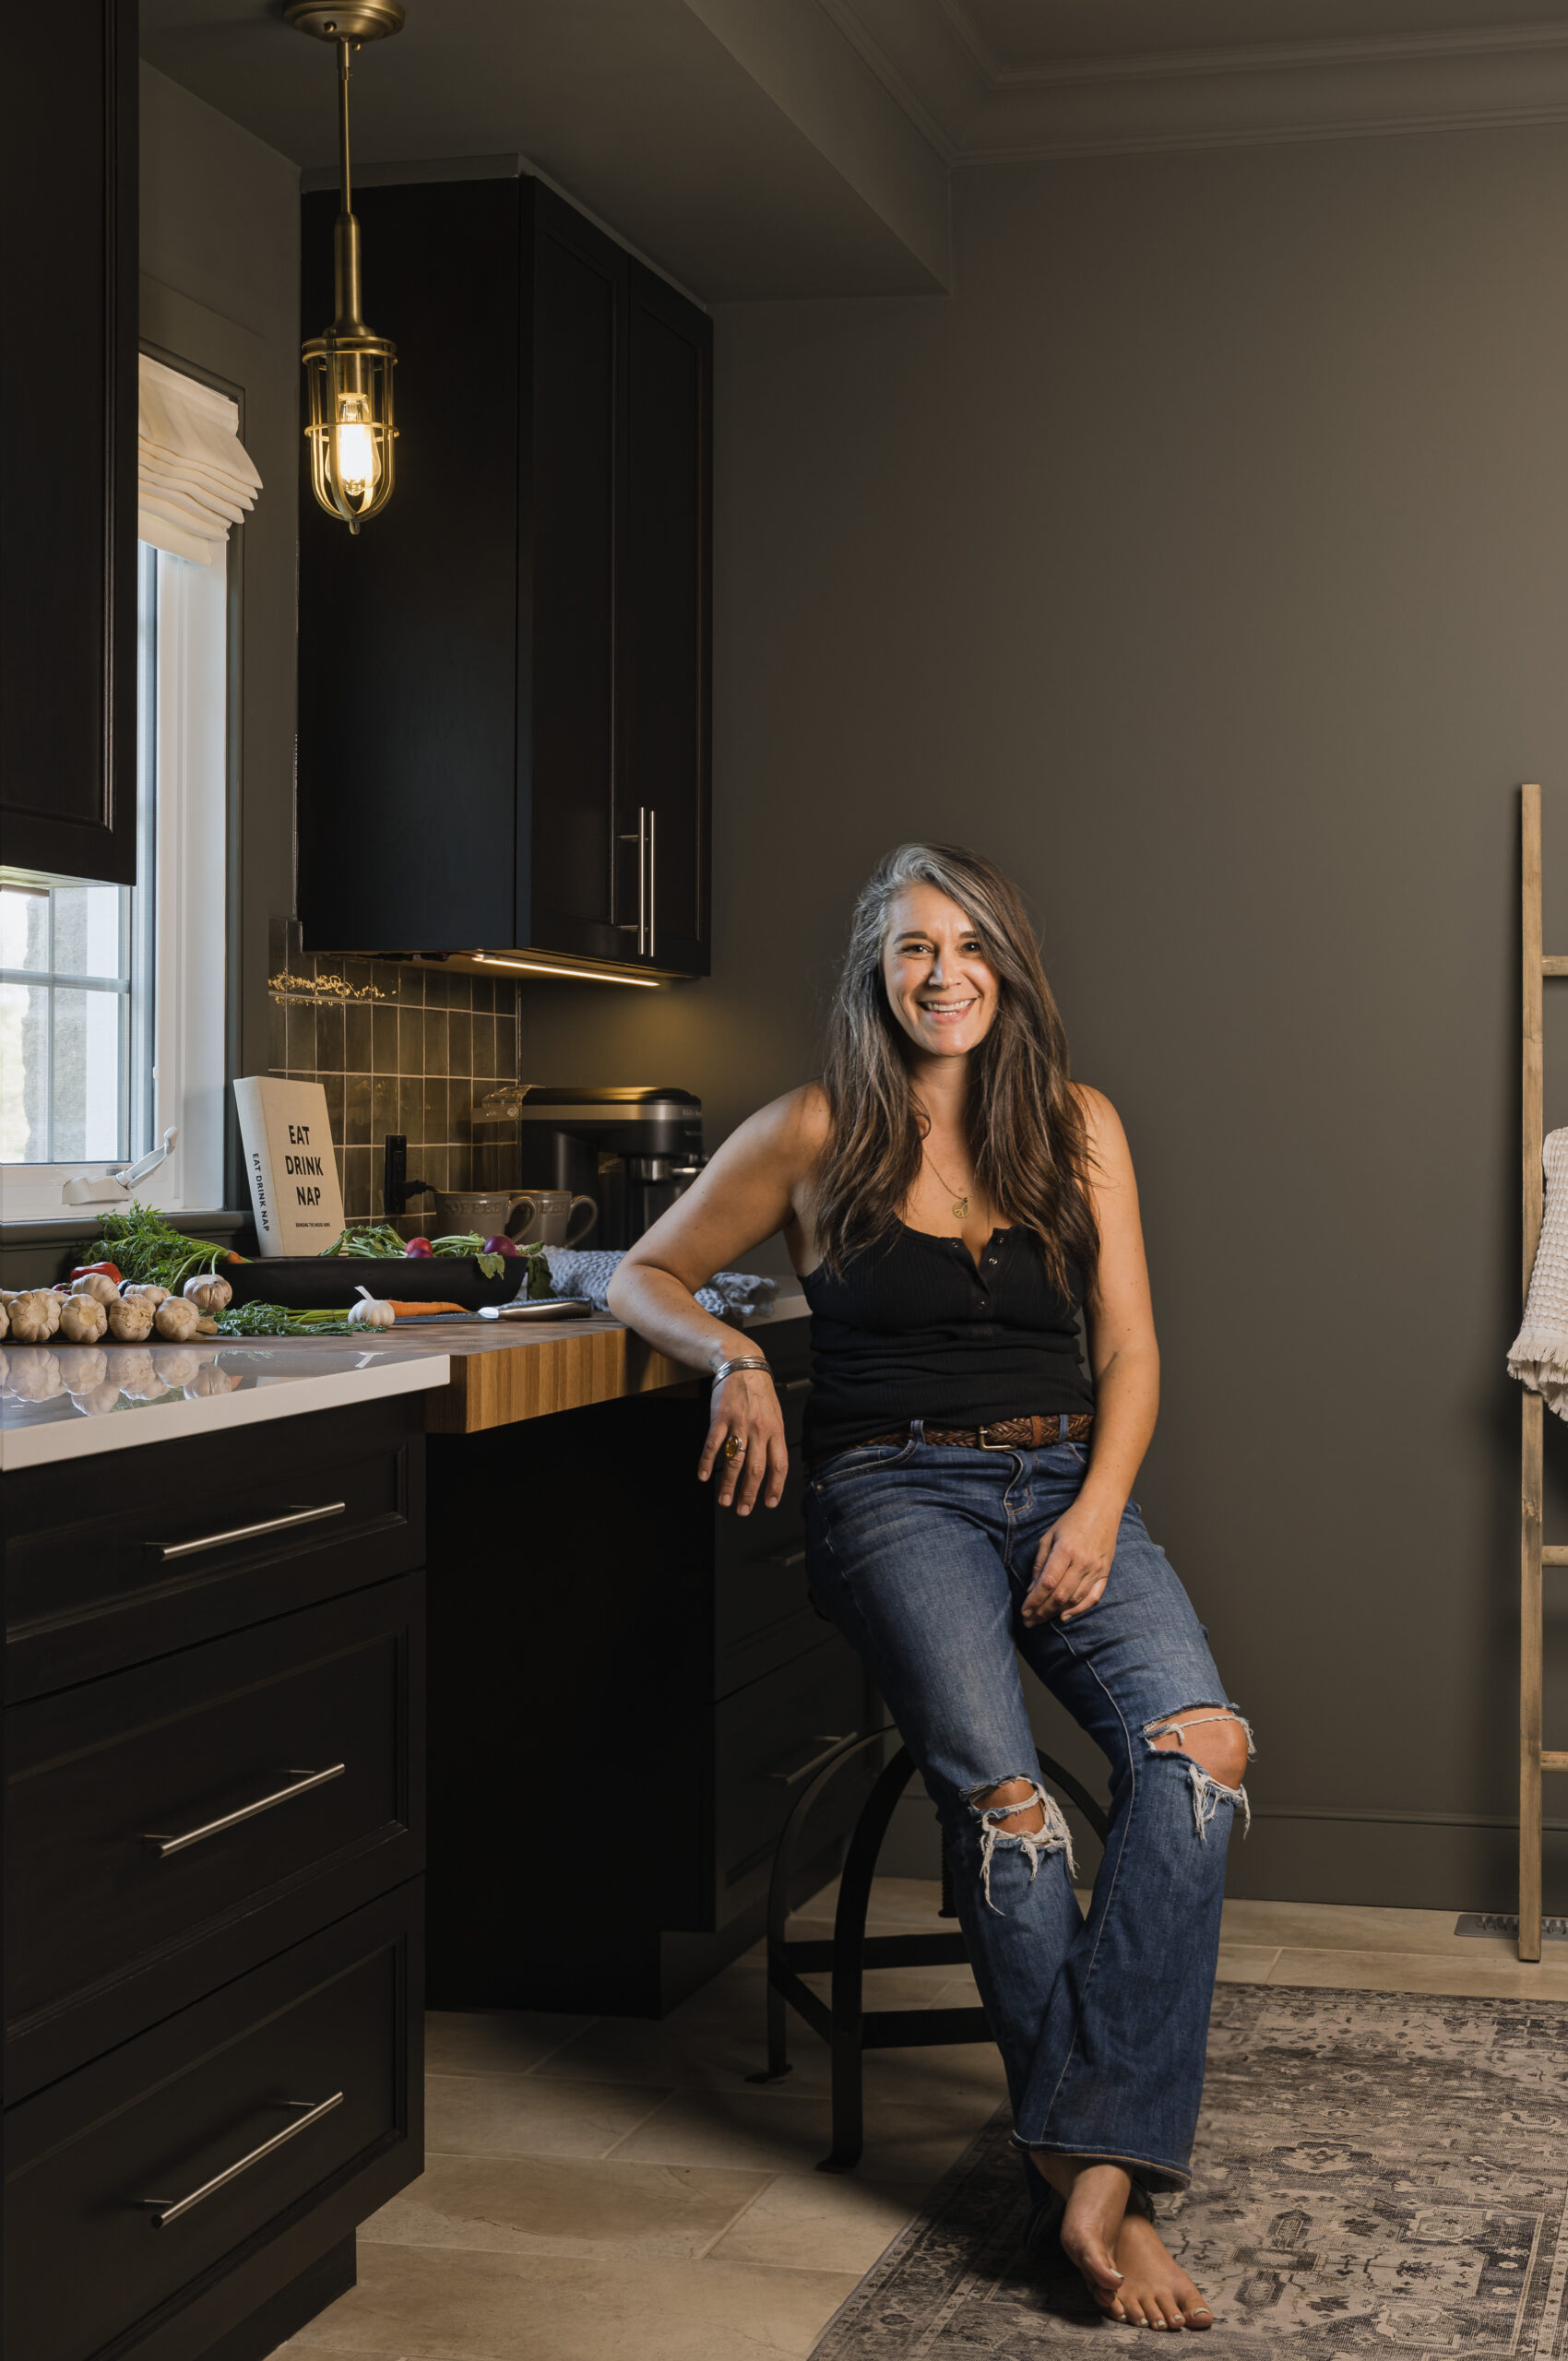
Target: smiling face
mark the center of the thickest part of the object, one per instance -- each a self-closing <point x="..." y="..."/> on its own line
<point x="941" y="985"/>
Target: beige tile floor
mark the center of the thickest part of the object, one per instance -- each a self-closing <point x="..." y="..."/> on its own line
<point x="598" y="2187"/>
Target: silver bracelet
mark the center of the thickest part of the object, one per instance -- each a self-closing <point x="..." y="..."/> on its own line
<point x="744" y="1360"/>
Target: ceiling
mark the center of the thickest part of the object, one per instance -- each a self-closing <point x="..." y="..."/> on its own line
<point x="783" y="148"/>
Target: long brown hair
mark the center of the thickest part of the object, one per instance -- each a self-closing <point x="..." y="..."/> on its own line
<point x="1027" y="1134"/>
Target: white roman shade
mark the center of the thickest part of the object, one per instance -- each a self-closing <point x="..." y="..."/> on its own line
<point x="195" y="476"/>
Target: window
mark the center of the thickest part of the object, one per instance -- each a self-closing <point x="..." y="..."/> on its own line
<point x="112" y="997"/>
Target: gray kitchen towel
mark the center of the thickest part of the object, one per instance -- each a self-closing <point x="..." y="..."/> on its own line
<point x="576" y="1272"/>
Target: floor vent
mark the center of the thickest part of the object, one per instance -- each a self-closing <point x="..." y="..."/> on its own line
<point x="1491" y="1922"/>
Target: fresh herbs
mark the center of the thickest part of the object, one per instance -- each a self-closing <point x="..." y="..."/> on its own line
<point x="367" y="1239"/>
<point x="273" y="1320"/>
<point x="142" y="1246"/>
<point x="375" y="1241"/>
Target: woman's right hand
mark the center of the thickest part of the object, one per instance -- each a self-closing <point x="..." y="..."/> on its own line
<point x="747" y="1407"/>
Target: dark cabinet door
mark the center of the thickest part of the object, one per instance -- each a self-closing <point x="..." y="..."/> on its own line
<point x="69" y="444"/>
<point x="566" y="892"/>
<point x="504" y="679"/>
<point x="408" y="729"/>
<point x="663" y="626"/>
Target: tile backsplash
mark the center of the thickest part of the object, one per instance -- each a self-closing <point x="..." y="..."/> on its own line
<point x="405" y="1049"/>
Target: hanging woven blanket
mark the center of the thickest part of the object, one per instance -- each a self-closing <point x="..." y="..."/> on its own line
<point x="1539" y="1355"/>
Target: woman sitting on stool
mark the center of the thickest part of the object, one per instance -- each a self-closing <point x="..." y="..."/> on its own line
<point x="951" y="1199"/>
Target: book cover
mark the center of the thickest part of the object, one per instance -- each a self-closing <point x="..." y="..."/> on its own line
<point x="290" y="1163"/>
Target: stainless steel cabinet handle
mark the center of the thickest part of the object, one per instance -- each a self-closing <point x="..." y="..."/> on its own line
<point x="300" y="1784"/>
<point x="169" y="1550"/>
<point x="789" y="1557"/>
<point x="830" y="1747"/>
<point x="652" y="882"/>
<point x="796" y="1385"/>
<point x="165" y="2210"/>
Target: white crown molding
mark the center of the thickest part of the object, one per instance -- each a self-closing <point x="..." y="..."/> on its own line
<point x="974" y="108"/>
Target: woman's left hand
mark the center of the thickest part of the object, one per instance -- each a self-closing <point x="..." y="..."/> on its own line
<point x="1072" y="1563"/>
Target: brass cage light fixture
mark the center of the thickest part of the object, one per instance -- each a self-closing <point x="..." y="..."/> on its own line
<point x="348" y="370"/>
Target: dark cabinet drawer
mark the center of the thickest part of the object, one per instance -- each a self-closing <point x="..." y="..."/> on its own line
<point x="169" y="1826"/>
<point x="765" y="1739"/>
<point x="143" y="2193"/>
<point x="132" y="1554"/>
<point x="763" y="1614"/>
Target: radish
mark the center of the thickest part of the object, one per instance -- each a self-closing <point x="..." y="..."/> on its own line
<point x="419" y="1247"/>
<point x="499" y="1244"/>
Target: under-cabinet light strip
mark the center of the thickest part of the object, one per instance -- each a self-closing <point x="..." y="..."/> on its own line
<point x="587" y="975"/>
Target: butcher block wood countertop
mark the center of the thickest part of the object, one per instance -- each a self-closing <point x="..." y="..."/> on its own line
<point x="504" y="1372"/>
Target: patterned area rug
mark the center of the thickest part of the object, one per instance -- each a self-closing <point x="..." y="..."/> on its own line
<point x="1375" y="2175"/>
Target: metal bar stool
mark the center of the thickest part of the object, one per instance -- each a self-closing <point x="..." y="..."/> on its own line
<point x="848" y="2027"/>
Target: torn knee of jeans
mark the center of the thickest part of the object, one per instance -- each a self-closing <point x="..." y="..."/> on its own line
<point x="1052" y="1836"/>
<point x="1208" y="1790"/>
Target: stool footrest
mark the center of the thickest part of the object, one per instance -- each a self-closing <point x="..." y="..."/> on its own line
<point x="921" y="2028"/>
<point x="814" y="1957"/>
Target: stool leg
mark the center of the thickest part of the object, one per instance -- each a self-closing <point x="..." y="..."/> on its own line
<point x="849" y="2123"/>
<point x="778" y="2039"/>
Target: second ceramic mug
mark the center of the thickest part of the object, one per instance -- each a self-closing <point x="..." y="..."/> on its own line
<point x="550" y="1223"/>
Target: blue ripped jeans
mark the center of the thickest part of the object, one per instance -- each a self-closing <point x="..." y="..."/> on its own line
<point x="923" y="1553"/>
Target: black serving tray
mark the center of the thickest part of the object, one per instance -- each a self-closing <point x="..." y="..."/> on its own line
<point x="324" y="1282"/>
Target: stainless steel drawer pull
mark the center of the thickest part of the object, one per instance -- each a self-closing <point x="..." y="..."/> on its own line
<point x="791" y="1558"/>
<point x="171" y="1550"/>
<point x="830" y="1747"/>
<point x="300" y="1784"/>
<point x="165" y="2210"/>
<point x="796" y="1385"/>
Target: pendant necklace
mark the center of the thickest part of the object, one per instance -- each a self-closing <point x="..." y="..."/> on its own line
<point x="960" y="1205"/>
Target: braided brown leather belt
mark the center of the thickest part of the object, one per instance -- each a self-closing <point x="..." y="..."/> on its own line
<point x="1032" y="1433"/>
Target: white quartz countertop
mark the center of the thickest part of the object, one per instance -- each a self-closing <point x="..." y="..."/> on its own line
<point x="73" y="1401"/>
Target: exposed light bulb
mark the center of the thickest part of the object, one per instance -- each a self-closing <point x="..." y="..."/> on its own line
<point x="357" y="464"/>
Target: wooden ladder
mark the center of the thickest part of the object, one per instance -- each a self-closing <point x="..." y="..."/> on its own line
<point x="1533" y="1758"/>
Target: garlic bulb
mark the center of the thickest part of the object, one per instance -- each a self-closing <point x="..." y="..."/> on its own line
<point x="5" y="1322"/>
<point x="130" y="1320"/>
<point x="176" y="1318"/>
<point x="208" y="1292"/>
<point x="144" y="1291"/>
<point x="83" y="1319"/>
<point x="370" y="1312"/>
<point x="34" y="1318"/>
<point x="97" y="1284"/>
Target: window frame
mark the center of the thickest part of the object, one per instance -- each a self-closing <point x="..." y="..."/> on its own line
<point x="176" y="1073"/>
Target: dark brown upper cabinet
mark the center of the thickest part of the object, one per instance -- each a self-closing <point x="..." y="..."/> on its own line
<point x="504" y="678"/>
<point x="69" y="444"/>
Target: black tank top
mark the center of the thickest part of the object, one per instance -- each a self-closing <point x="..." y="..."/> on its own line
<point x="913" y="1328"/>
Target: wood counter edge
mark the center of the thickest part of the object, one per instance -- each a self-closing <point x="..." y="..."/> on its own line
<point x="534" y="1381"/>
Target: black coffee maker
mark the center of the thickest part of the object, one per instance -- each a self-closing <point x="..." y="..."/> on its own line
<point x="632" y="1149"/>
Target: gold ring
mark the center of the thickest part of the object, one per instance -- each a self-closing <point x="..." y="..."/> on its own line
<point x="734" y="1446"/>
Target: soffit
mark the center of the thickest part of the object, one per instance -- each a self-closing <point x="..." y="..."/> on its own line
<point x="744" y="145"/>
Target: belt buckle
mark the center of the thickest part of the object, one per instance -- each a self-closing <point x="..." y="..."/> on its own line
<point x="980" y="1437"/>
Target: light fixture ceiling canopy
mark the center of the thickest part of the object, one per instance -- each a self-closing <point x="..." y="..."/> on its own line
<point x="353" y="20"/>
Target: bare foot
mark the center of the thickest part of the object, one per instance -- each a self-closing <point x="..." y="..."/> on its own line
<point x="1095" y="2198"/>
<point x="1155" y="2291"/>
<point x="1120" y="2255"/>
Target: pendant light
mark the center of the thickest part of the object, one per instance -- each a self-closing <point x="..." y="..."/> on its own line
<point x="348" y="370"/>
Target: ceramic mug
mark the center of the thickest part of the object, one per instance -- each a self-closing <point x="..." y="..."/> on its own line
<point x="549" y="1222"/>
<point x="492" y="1212"/>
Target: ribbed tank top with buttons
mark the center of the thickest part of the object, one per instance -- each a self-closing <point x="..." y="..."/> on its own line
<point x="914" y="1328"/>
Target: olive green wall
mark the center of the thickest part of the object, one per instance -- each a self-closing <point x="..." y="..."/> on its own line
<point x="1204" y="558"/>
